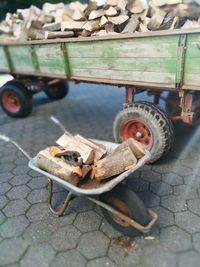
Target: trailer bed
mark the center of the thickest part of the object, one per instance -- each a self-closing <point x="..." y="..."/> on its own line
<point x="163" y="60"/>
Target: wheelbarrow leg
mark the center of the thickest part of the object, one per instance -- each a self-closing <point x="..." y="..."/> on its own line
<point x="60" y="212"/>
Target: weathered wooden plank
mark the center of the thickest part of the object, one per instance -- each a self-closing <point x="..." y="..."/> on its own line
<point x="3" y="61"/>
<point x="192" y="65"/>
<point x="192" y="79"/>
<point x="140" y="64"/>
<point x="193" y="46"/>
<point x="21" y="58"/>
<point x="50" y="58"/>
<point x="119" y="48"/>
<point x="152" y="77"/>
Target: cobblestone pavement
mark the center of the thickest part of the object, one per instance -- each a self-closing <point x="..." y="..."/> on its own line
<point x="30" y="236"/>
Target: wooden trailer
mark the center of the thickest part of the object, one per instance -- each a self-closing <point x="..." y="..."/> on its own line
<point x="154" y="62"/>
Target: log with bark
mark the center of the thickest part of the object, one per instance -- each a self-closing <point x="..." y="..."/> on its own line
<point x="115" y="163"/>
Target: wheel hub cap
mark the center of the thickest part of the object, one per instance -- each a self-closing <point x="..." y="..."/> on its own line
<point x="139" y="131"/>
<point x="11" y="102"/>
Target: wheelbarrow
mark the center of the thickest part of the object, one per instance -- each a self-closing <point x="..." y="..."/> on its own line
<point x="122" y="208"/>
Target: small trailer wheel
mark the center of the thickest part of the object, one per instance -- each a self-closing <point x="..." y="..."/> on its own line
<point x="127" y="202"/>
<point x="147" y="124"/>
<point x="57" y="91"/>
<point x="15" y="99"/>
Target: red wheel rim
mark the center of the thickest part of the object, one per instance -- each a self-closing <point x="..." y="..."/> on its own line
<point x="119" y="205"/>
<point x="11" y="102"/>
<point x="139" y="131"/>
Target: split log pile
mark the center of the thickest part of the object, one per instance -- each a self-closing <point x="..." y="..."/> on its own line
<point x="93" y="19"/>
<point x="77" y="159"/>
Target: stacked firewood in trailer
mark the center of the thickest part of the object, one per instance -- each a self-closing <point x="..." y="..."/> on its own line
<point x="109" y="17"/>
<point x="85" y="163"/>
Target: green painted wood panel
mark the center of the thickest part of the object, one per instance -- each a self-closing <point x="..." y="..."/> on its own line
<point x="154" y="65"/>
<point x="3" y="61"/>
<point x="21" y="58"/>
<point x="192" y="60"/>
<point x="50" y="59"/>
<point x="161" y="47"/>
<point x="151" y="77"/>
<point x="138" y="59"/>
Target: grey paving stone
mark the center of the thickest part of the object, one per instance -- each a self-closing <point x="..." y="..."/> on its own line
<point x="124" y="256"/>
<point x="80" y="204"/>
<point x="138" y="185"/>
<point x="5" y="187"/>
<point x="151" y="176"/>
<point x="38" y="182"/>
<point x="4" y="168"/>
<point x="20" y="180"/>
<point x="174" y="203"/>
<point x="11" y="250"/>
<point x="38" y="195"/>
<point x="149" y="199"/>
<point x="33" y="173"/>
<point x="2" y="218"/>
<point x="38" y="212"/>
<point x="196" y="241"/>
<point x="192" y="180"/>
<point x="157" y="255"/>
<point x="16" y="207"/>
<point x="161" y="189"/>
<point x="14" y="226"/>
<point x="165" y="217"/>
<point x="93" y="245"/>
<point x="176" y="239"/>
<point x="38" y="255"/>
<point x="38" y="232"/>
<point x="101" y="262"/>
<point x="190" y="258"/>
<point x="68" y="218"/>
<point x="185" y="191"/>
<point x="194" y="206"/>
<point x="172" y="179"/>
<point x="167" y="166"/>
<point x="3" y="201"/>
<point x="108" y="230"/>
<point x="87" y="221"/>
<point x="65" y="238"/>
<point x="5" y="177"/>
<point x="22" y="169"/>
<point x="71" y="258"/>
<point x="18" y="192"/>
<point x="188" y="221"/>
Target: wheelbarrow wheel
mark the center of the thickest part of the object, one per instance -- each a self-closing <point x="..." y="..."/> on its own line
<point x="57" y="91"/>
<point x="127" y="202"/>
<point x="147" y="124"/>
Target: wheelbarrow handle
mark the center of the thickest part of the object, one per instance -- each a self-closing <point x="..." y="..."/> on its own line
<point x="7" y="139"/>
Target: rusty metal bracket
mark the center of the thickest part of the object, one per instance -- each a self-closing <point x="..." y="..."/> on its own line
<point x="60" y="212"/>
<point x="130" y="221"/>
<point x="129" y="98"/>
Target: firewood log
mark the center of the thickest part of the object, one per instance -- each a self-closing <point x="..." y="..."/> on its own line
<point x="47" y="162"/>
<point x="71" y="143"/>
<point x="115" y="163"/>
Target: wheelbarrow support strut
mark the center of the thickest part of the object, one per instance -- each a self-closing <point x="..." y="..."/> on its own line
<point x="130" y="221"/>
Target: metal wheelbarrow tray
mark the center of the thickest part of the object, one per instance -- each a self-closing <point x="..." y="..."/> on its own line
<point x="107" y="186"/>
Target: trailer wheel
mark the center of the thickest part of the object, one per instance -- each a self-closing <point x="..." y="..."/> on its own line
<point x="127" y="202"/>
<point x="57" y="91"/>
<point x="15" y="99"/>
<point x="147" y="124"/>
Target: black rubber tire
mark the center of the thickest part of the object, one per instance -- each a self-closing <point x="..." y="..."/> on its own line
<point x="135" y="205"/>
<point x="24" y="96"/>
<point x="57" y="91"/>
<point x="160" y="125"/>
